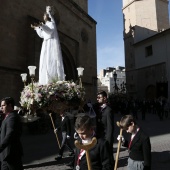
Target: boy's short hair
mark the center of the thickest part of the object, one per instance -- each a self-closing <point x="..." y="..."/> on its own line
<point x="126" y="121"/>
<point x="84" y="122"/>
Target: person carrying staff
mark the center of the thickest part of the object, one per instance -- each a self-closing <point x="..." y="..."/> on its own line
<point x="139" y="145"/>
<point x="99" y="154"/>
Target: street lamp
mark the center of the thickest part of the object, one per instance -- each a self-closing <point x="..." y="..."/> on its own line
<point x="80" y="74"/>
<point x="123" y="87"/>
<point x="115" y="75"/>
<point x="115" y="78"/>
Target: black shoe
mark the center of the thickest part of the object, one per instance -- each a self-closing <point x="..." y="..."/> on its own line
<point x="58" y="157"/>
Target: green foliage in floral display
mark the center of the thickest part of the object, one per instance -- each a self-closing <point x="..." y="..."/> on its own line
<point x="60" y="92"/>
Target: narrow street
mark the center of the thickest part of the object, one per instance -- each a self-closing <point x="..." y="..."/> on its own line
<point x="40" y="150"/>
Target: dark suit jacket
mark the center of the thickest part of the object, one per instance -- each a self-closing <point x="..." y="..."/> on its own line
<point x="99" y="156"/>
<point x="140" y="149"/>
<point x="105" y="122"/>
<point x="65" y="125"/>
<point x="10" y="145"/>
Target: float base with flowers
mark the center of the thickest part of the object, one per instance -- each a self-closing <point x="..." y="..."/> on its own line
<point x="53" y="97"/>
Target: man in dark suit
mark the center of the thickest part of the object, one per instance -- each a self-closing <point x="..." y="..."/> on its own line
<point x="10" y="145"/>
<point x="104" y="120"/>
<point x="139" y="145"/>
<point x="99" y="154"/>
<point x="65" y="128"/>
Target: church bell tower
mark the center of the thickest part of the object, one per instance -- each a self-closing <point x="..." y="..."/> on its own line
<point x="147" y="16"/>
<point x="142" y="19"/>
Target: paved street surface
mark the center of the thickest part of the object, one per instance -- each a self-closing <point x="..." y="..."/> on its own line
<point x="41" y="149"/>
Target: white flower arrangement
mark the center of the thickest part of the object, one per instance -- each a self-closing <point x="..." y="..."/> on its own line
<point x="52" y="96"/>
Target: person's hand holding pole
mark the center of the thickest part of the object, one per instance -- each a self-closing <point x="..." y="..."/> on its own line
<point x="119" y="144"/>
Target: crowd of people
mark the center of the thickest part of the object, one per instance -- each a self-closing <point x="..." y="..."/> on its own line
<point x="140" y="108"/>
<point x="86" y="128"/>
<point x="98" y="127"/>
<point x="101" y="126"/>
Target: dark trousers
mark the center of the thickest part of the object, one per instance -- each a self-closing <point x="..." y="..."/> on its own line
<point x="12" y="165"/>
<point x="65" y="143"/>
<point x="111" y="156"/>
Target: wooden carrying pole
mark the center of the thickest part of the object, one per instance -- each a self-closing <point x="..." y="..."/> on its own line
<point x="86" y="147"/>
<point x="118" y="148"/>
<point x="55" y="131"/>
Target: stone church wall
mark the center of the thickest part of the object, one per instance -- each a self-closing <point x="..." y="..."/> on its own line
<point x="20" y="45"/>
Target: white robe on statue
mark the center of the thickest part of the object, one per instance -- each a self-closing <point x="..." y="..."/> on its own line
<point x="51" y="67"/>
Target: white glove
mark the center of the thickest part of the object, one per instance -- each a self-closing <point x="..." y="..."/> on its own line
<point x="55" y="130"/>
<point x="68" y="137"/>
<point x="75" y="135"/>
<point x="123" y="139"/>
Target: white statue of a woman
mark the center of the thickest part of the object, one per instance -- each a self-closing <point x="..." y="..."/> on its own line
<point x="51" y="63"/>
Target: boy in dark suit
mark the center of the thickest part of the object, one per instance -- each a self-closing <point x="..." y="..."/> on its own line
<point x="65" y="128"/>
<point x="139" y="145"/>
<point x="10" y="145"/>
<point x="99" y="154"/>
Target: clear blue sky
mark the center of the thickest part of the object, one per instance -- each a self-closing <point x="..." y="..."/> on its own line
<point x="110" y="46"/>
